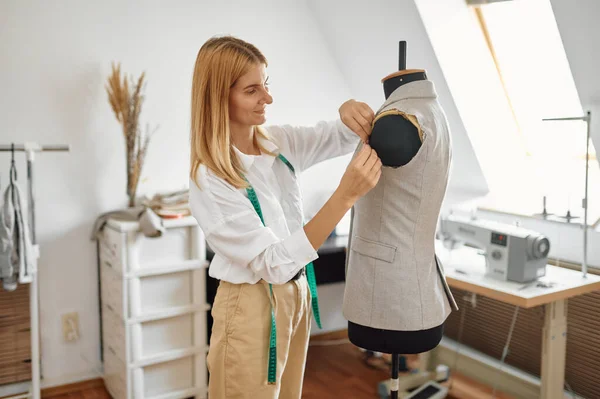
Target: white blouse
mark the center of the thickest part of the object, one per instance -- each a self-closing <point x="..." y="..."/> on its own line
<point x="245" y="249"/>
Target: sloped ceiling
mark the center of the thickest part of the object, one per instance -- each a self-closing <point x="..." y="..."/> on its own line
<point x="363" y="38"/>
<point x="579" y="27"/>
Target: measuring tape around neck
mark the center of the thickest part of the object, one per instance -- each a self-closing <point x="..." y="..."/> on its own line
<point x="312" y="285"/>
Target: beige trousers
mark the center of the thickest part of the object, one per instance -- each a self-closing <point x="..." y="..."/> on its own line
<point x="239" y="342"/>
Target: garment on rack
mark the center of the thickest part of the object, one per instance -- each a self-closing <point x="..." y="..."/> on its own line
<point x="17" y="259"/>
<point x="151" y="224"/>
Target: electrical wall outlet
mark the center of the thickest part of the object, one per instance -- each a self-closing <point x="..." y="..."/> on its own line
<point x="70" y="326"/>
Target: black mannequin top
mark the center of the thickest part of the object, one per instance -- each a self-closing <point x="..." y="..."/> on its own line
<point x="396" y="141"/>
<point x="395" y="138"/>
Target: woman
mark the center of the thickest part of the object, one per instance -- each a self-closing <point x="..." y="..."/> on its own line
<point x="245" y="196"/>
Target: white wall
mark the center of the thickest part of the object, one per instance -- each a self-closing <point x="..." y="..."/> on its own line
<point x="56" y="57"/>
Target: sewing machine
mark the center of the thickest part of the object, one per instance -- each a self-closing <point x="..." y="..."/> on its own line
<point x="511" y="252"/>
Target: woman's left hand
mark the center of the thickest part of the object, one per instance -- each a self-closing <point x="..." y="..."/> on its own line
<point x="358" y="117"/>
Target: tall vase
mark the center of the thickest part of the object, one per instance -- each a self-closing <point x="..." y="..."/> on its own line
<point x="131" y="193"/>
<point x="132" y="178"/>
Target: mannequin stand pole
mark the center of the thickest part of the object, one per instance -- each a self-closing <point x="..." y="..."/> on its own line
<point x="394" y="382"/>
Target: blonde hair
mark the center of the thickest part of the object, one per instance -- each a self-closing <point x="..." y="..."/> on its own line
<point x="221" y="61"/>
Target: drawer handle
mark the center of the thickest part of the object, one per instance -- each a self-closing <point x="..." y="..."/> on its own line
<point x="112" y="350"/>
<point x="107" y="263"/>
<point x="110" y="308"/>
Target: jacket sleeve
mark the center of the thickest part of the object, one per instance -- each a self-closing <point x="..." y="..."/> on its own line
<point x="234" y="230"/>
<point x="311" y="145"/>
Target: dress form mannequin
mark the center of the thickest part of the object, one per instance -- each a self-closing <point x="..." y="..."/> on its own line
<point x="396" y="140"/>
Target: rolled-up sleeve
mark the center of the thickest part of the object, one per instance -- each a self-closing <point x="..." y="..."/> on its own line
<point x="311" y="145"/>
<point x="233" y="230"/>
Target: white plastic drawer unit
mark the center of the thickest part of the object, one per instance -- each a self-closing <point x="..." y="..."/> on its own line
<point x="180" y="377"/>
<point x="158" y="293"/>
<point x="165" y="355"/>
<point x="127" y="250"/>
<point x="113" y="334"/>
<point x="112" y="250"/>
<point x="154" y="311"/>
<point x="175" y="378"/>
<point x="111" y="289"/>
<point x="154" y="294"/>
<point x="154" y="339"/>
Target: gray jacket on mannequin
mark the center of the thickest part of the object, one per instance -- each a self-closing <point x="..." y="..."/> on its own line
<point x="394" y="281"/>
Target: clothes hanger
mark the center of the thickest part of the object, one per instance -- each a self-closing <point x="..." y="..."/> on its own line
<point x="13" y="168"/>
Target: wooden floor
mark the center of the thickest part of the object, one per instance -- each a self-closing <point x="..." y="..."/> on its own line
<point x="336" y="371"/>
<point x="339" y="372"/>
<point x="92" y="389"/>
<point x="93" y="393"/>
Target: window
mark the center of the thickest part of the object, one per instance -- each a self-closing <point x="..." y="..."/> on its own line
<point x="530" y="59"/>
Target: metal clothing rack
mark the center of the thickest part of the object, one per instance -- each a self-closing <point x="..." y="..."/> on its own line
<point x="30" y="149"/>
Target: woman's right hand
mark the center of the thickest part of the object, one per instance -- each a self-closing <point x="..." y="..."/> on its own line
<point x="362" y="174"/>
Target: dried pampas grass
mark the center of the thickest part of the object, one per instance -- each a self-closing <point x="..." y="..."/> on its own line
<point x="126" y="99"/>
